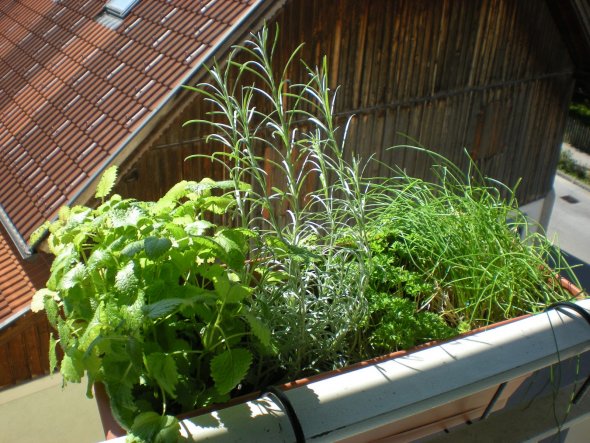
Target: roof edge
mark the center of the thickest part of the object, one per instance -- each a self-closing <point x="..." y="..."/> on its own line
<point x="10" y="320"/>
<point x="14" y="234"/>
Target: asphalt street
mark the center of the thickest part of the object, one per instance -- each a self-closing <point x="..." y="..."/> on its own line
<point x="569" y="226"/>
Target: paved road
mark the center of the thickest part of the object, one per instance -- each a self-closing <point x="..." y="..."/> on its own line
<point x="569" y="226"/>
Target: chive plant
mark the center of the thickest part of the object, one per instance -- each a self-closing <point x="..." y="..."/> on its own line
<point x="459" y="247"/>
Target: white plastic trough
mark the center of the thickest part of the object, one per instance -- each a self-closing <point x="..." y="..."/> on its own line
<point x="388" y="398"/>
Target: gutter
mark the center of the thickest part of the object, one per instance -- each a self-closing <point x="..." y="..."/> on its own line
<point x="14" y="317"/>
<point x="360" y="404"/>
<point x="14" y="234"/>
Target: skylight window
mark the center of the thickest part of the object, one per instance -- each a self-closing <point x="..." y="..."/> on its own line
<point x="114" y="12"/>
<point x="120" y="8"/>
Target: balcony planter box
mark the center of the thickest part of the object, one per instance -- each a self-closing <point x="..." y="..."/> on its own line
<point x="405" y="395"/>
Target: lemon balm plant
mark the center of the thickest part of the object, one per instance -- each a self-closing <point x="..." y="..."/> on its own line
<point x="152" y="300"/>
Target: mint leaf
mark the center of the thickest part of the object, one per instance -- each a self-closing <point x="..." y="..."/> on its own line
<point x="156" y="247"/>
<point x="73" y="277"/>
<point x="100" y="258"/>
<point x="233" y="244"/>
<point x="259" y="329"/>
<point x="72" y="368"/>
<point x="52" y="354"/>
<point x="218" y="205"/>
<point x="162" y="367"/>
<point x="199" y="227"/>
<point x="230" y="292"/>
<point x="154" y="428"/>
<point x="132" y="248"/>
<point x="162" y="308"/>
<point x="229" y="368"/>
<point x="106" y="183"/>
<point x="125" y="281"/>
<point x="38" y="302"/>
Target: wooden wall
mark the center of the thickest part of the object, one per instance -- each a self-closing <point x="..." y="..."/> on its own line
<point x="488" y="76"/>
<point x="24" y="350"/>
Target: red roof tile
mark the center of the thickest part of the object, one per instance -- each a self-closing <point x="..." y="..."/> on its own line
<point x="71" y="91"/>
<point x="18" y="278"/>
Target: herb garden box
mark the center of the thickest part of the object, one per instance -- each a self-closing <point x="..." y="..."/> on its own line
<point x="298" y="264"/>
<point x="406" y="395"/>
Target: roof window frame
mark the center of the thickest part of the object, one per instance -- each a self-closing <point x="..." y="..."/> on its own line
<point x="120" y="8"/>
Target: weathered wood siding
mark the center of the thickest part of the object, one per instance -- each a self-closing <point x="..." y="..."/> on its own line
<point x="488" y="76"/>
<point x="24" y="350"/>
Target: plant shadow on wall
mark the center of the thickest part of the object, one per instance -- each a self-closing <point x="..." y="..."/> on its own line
<point x="315" y="265"/>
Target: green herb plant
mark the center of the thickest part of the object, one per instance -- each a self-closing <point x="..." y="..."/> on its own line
<point x="281" y="137"/>
<point x="153" y="301"/>
<point x="456" y="248"/>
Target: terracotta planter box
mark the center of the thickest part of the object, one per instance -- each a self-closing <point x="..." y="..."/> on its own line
<point x="402" y="396"/>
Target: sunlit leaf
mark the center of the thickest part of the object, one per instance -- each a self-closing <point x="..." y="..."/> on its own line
<point x="229" y="368"/>
<point x="156" y="247"/>
<point x="106" y="183"/>
<point x="163" y="368"/>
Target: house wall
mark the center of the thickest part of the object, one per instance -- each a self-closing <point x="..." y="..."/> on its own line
<point x="24" y="349"/>
<point x="490" y="76"/>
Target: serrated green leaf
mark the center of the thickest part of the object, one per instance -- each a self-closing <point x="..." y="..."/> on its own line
<point x="259" y="329"/>
<point x="126" y="282"/>
<point x="176" y="231"/>
<point x="100" y="258"/>
<point x="162" y="308"/>
<point x="206" y="248"/>
<point x="78" y="215"/>
<point x="133" y="314"/>
<point x="199" y="227"/>
<point x="233" y="245"/>
<point x="156" y="247"/>
<point x="39" y="233"/>
<point x="125" y="217"/>
<point x="168" y="201"/>
<point x="63" y="214"/>
<point x="64" y="261"/>
<point x="52" y="310"/>
<point x="121" y="401"/>
<point x="150" y="427"/>
<point x="162" y="368"/>
<point x="73" y="277"/>
<point x="229" y="291"/>
<point x="106" y="183"/>
<point x="237" y="292"/>
<point x="229" y="368"/>
<point x="72" y="368"/>
<point x="38" y="302"/>
<point x="133" y="248"/>
<point x="52" y="354"/>
<point x="218" y="205"/>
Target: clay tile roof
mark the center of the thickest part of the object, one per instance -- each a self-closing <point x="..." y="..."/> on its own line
<point x="72" y="90"/>
<point x="18" y="278"/>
